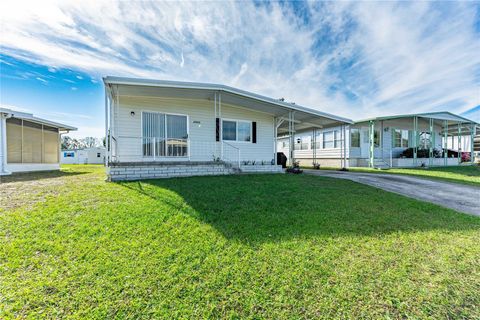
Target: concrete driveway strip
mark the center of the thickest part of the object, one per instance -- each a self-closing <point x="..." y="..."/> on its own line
<point x="460" y="197"/>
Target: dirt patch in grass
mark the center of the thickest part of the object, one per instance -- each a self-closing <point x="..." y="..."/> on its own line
<point x="26" y="189"/>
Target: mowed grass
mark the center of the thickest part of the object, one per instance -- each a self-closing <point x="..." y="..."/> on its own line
<point x="247" y="246"/>
<point x="466" y="174"/>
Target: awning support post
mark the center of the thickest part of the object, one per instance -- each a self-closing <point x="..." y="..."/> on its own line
<point x="221" y="123"/>
<point x="345" y="161"/>
<point x="415" y="140"/>
<point x="445" y="142"/>
<point x="459" y="141"/>
<point x="107" y="144"/>
<point x="275" y="140"/>
<point x="371" y="143"/>
<point x="314" y="146"/>
<point x="430" y="147"/>
<point x="472" y="142"/>
<point x="291" y="131"/>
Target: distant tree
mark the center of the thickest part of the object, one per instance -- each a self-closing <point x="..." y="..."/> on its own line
<point x="69" y="143"/>
<point x="90" y="142"/>
<point x="66" y="143"/>
<point x="105" y="140"/>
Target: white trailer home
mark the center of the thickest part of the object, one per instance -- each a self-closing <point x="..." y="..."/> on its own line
<point x="159" y="128"/>
<point x="94" y="155"/>
<point x="427" y="139"/>
<point x="28" y="143"/>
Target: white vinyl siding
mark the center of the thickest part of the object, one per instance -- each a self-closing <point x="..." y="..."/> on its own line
<point x="202" y="128"/>
<point x="306" y="139"/>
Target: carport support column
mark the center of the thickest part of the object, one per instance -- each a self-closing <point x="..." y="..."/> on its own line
<point x="459" y="141"/>
<point x="472" y="144"/>
<point x="430" y="147"/>
<point x="345" y="144"/>
<point x="275" y="140"/>
<point x="291" y="131"/>
<point x="371" y="143"/>
<point x="221" y="123"/>
<point x="415" y="140"/>
<point x="107" y="145"/>
<point x="3" y="144"/>
<point x="313" y="145"/>
<point x="445" y="142"/>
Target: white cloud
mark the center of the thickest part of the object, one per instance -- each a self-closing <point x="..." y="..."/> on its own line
<point x="42" y="80"/>
<point x="393" y="57"/>
<point x="83" y="122"/>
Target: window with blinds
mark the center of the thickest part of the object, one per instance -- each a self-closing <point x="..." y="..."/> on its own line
<point x="30" y="142"/>
<point x="164" y="135"/>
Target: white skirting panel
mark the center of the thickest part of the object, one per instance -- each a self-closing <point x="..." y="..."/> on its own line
<point x="29" y="167"/>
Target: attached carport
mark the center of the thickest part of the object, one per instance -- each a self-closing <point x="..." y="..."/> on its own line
<point x="288" y="117"/>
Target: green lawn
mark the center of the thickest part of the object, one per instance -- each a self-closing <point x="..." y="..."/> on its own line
<point x="460" y="174"/>
<point x="245" y="246"/>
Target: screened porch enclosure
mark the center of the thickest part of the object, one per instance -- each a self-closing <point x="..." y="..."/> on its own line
<point x="437" y="139"/>
<point x="31" y="142"/>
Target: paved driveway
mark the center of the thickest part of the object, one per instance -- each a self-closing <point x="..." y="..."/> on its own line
<point x="464" y="198"/>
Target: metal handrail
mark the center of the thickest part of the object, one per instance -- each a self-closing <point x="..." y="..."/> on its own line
<point x="238" y="152"/>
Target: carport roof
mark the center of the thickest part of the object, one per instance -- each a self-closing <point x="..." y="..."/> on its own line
<point x="442" y="115"/>
<point x="229" y="95"/>
<point x="32" y="118"/>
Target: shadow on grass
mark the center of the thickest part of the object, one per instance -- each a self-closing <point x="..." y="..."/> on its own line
<point x="266" y="208"/>
<point x="32" y="176"/>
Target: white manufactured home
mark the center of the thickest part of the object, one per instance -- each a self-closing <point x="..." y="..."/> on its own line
<point x="28" y="143"/>
<point x="159" y="128"/>
<point x="94" y="155"/>
<point x="428" y="139"/>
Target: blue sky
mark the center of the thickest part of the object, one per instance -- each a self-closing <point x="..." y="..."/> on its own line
<point x="354" y="59"/>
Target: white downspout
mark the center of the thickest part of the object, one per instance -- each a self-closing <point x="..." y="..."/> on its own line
<point x="110" y="129"/>
<point x="106" y="126"/>
<point x="274" y="140"/>
<point x="221" y="124"/>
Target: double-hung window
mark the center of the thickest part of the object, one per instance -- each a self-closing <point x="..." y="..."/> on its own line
<point x="237" y="130"/>
<point x="338" y="139"/>
<point x="400" y="138"/>
<point x="164" y="135"/>
<point x="328" y="139"/>
<point x="355" y="138"/>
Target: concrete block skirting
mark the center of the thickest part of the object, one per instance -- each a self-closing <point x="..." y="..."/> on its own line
<point x="140" y="171"/>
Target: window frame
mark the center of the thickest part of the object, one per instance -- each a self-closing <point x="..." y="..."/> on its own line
<point x="165" y="132"/>
<point x="328" y="141"/>
<point x="237" y="121"/>
<point x="401" y="144"/>
<point x="359" y="137"/>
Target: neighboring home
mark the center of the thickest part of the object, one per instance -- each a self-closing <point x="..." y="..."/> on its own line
<point x="161" y="128"/>
<point x="28" y="143"/>
<point x="427" y="139"/>
<point x="94" y="155"/>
